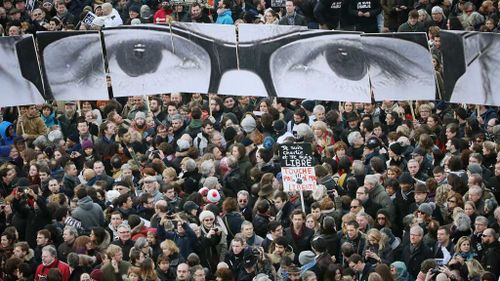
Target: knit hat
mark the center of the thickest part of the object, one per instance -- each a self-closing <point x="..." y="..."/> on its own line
<point x="279" y="126"/>
<point x="135" y="8"/>
<point x="249" y="258"/>
<point x="406" y="178"/>
<point x="418" y="152"/>
<point x="246" y="142"/>
<point x="203" y="191"/>
<point x="54" y="135"/>
<point x="248" y="124"/>
<point x="308" y="105"/>
<point x="306" y="257"/>
<point x="87" y="144"/>
<point x="97" y="275"/>
<point x="373" y="143"/>
<point x="23" y="182"/>
<point x="262" y="277"/>
<point x="206" y="214"/>
<point x="397" y="148"/>
<point x="319" y="244"/>
<point x="351" y="116"/>
<point x="230" y="133"/>
<point x="135" y="21"/>
<point x="213" y="196"/>
<point x="426" y="208"/>
<point x="189" y="206"/>
<point x="475" y="169"/>
<point x="140" y="115"/>
<point x="268" y="143"/>
<point x="303" y="131"/>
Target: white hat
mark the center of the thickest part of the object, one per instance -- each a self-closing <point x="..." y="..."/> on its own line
<point x="206" y="214"/>
<point x="213" y="196"/>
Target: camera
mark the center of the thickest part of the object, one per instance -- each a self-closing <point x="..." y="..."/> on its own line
<point x="216" y="229"/>
<point x="435" y="271"/>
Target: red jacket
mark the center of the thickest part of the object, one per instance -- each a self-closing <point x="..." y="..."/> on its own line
<point x="43" y="270"/>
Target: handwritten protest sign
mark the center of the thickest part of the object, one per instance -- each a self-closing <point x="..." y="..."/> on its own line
<point x="297" y="167"/>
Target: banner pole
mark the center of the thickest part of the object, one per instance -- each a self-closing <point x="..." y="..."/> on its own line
<point x="79" y="107"/>
<point x="209" y="104"/>
<point x="147" y="105"/>
<point x="19" y="119"/>
<point x="302" y="200"/>
<point x="412" y="110"/>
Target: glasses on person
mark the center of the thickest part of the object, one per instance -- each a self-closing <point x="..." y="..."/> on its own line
<point x="210" y="219"/>
<point x="485" y="235"/>
<point x="37" y="14"/>
<point x="242" y="201"/>
<point x="354" y="207"/>
<point x="452" y="201"/>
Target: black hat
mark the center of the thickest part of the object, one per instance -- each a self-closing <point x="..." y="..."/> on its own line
<point x="406" y="178"/>
<point x="319" y="244"/>
<point x="246" y="142"/>
<point x="230" y="133"/>
<point x="373" y="143"/>
<point x="135" y="8"/>
<point x="249" y="258"/>
<point x="308" y="105"/>
<point x="189" y="206"/>
<point x="22" y="182"/>
<point x="279" y="125"/>
<point x="418" y="151"/>
<point x="397" y="148"/>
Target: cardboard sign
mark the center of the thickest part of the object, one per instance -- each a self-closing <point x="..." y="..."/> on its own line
<point x="297" y="167"/>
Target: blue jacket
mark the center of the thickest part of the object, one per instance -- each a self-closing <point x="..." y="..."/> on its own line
<point x="50" y="121"/>
<point x="6" y="140"/>
<point x="225" y="17"/>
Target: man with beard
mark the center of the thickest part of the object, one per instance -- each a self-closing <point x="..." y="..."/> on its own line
<point x="139" y="106"/>
<point x="299" y="116"/>
<point x="139" y="125"/>
<point x="31" y="125"/>
<point x="196" y="15"/>
<point x="68" y="119"/>
<point x="155" y="106"/>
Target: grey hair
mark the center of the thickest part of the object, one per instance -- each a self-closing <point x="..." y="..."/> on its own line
<point x="50" y="249"/>
<point x="352" y="137"/>
<point x="418" y="228"/>
<point x="211" y="182"/>
<point x="206" y="167"/>
<point x="124" y="225"/>
<point x="245" y="223"/>
<point x="190" y="165"/>
<point x="462" y="221"/>
<point x="243" y="193"/>
<point x="72" y="230"/>
<point x="140" y="243"/>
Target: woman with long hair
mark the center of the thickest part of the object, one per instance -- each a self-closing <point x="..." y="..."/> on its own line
<point x="377" y="248"/>
<point x="463" y="248"/>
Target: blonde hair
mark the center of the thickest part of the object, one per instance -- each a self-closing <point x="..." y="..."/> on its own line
<point x="379" y="236"/>
<point x="460" y="241"/>
<point x="170" y="246"/>
<point x="475" y="268"/>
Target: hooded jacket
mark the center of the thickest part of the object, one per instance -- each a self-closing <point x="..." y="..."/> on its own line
<point x="6" y="140"/>
<point x="88" y="213"/>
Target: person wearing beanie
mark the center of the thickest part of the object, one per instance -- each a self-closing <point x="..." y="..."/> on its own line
<point x="404" y="197"/>
<point x="248" y="124"/>
<point x="438" y="17"/>
<point x="396" y="158"/>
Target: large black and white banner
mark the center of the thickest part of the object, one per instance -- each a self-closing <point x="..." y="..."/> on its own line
<point x="400" y="66"/>
<point x="257" y="60"/>
<point x="471" y="65"/>
<point x="73" y="65"/>
<point x="20" y="79"/>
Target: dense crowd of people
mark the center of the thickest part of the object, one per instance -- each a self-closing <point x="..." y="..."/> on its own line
<point x="189" y="187"/>
<point x="21" y="16"/>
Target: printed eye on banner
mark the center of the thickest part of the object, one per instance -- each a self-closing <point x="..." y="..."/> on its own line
<point x="153" y="59"/>
<point x="471" y="59"/>
<point x="400" y="66"/>
<point x="73" y="65"/>
<point x="20" y="78"/>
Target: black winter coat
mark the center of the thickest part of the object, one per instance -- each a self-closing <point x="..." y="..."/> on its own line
<point x="415" y="259"/>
